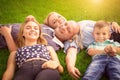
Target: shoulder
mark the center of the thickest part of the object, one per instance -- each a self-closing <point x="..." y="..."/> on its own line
<point x="49" y="47"/>
<point x="13" y="51"/>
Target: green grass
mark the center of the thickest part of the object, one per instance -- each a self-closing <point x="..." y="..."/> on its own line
<point x="14" y="11"/>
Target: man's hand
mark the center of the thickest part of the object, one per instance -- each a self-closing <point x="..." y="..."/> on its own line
<point x="74" y="72"/>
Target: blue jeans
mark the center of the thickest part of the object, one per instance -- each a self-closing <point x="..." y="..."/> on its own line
<point x="100" y="64"/>
<point x="32" y="70"/>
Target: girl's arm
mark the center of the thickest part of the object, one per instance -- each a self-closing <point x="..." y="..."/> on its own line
<point x="54" y="62"/>
<point x="11" y="65"/>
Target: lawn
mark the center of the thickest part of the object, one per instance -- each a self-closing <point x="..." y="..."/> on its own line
<point x="14" y="11"/>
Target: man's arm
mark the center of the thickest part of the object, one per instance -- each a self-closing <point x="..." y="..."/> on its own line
<point x="70" y="62"/>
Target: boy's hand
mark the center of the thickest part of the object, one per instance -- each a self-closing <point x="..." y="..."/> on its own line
<point x="110" y="50"/>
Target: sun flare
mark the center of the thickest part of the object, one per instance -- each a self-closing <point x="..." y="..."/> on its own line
<point x="96" y="1"/>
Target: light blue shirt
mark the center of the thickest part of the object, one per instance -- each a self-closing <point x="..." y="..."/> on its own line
<point x="102" y="45"/>
<point x="86" y="28"/>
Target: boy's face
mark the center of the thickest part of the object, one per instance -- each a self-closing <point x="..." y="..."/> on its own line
<point x="101" y="34"/>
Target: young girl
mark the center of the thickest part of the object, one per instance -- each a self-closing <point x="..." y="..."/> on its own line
<point x="33" y="60"/>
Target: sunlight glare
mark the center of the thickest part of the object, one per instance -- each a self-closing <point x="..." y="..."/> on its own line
<point x="96" y="1"/>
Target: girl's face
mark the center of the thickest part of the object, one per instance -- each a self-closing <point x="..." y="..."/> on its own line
<point x="101" y="34"/>
<point x="31" y="31"/>
<point x="56" y="20"/>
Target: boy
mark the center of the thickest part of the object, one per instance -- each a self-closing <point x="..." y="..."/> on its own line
<point x="105" y="54"/>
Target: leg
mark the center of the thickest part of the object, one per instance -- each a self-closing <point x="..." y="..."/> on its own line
<point x="24" y="72"/>
<point x="48" y="74"/>
<point x="96" y="68"/>
<point x="113" y="69"/>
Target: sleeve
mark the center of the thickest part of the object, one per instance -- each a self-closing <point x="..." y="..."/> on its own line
<point x="90" y="46"/>
<point x="15" y="30"/>
<point x="69" y="44"/>
<point x="52" y="43"/>
<point x="117" y="44"/>
<point x="3" y="43"/>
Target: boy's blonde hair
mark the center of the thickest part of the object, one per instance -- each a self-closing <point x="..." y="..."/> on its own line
<point x="101" y="23"/>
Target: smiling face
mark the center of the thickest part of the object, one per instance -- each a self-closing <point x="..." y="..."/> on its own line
<point x="67" y="31"/>
<point x="54" y="20"/>
<point x="101" y="32"/>
<point x="31" y="31"/>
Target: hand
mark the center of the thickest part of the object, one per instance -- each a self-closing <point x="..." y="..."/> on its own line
<point x="110" y="50"/>
<point x="74" y="72"/>
<point x="5" y="30"/>
<point x="115" y="27"/>
<point x="50" y="64"/>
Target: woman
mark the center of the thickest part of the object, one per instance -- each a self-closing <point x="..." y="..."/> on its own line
<point x="33" y="58"/>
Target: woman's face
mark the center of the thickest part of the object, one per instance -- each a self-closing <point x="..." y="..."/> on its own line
<point x="67" y="30"/>
<point x="56" y="20"/>
<point x="31" y="31"/>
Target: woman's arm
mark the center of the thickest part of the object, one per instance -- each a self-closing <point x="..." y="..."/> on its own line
<point x="115" y="27"/>
<point x="6" y="32"/>
<point x="54" y="63"/>
<point x="11" y="65"/>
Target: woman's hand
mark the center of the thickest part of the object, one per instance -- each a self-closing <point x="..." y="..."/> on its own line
<point x="115" y="27"/>
<point x="5" y="30"/>
<point x="50" y="64"/>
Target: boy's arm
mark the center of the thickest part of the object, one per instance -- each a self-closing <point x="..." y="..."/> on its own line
<point x="92" y="51"/>
<point x="11" y="65"/>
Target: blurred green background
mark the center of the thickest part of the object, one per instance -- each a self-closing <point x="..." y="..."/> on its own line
<point x="15" y="11"/>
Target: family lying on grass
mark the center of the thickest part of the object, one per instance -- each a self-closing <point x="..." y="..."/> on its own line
<point x="40" y="60"/>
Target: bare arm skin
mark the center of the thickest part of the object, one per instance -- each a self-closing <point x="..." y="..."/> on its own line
<point x="54" y="63"/>
<point x="93" y="51"/>
<point x="11" y="65"/>
<point x="6" y="32"/>
<point x="70" y="62"/>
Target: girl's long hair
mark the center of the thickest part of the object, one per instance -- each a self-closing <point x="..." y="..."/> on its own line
<point x="21" y="39"/>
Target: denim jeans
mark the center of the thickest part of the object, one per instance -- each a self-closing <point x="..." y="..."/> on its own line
<point x="100" y="64"/>
<point x="32" y="70"/>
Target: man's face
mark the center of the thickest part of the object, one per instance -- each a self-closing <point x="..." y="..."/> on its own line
<point x="66" y="31"/>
